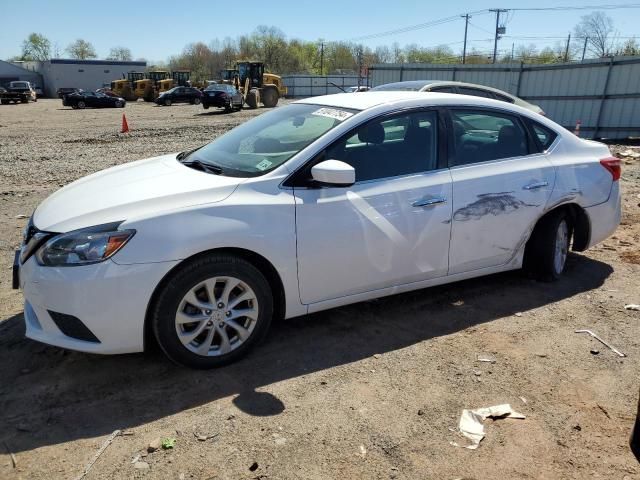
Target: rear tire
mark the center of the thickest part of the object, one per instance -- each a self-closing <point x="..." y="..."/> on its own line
<point x="252" y="99"/>
<point x="81" y="105"/>
<point x="186" y="294"/>
<point x="547" y="250"/>
<point x="196" y="101"/>
<point x="270" y="97"/>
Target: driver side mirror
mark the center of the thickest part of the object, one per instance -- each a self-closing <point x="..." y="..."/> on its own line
<point x="334" y="173"/>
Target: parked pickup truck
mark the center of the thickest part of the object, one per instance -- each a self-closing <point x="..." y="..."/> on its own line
<point x="18" y="91"/>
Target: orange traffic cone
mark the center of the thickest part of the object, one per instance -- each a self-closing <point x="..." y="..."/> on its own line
<point x="125" y="125"/>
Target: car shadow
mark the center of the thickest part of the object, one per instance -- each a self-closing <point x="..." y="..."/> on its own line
<point x="214" y="112"/>
<point x="49" y="395"/>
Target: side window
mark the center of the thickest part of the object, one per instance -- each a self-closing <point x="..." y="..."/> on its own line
<point x="390" y="147"/>
<point x="442" y="89"/>
<point x="544" y="135"/>
<point x="481" y="136"/>
<point x="476" y="92"/>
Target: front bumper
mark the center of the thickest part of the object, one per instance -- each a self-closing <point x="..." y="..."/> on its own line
<point x="109" y="299"/>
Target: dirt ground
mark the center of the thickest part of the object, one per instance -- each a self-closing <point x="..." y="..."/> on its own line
<point x="369" y="391"/>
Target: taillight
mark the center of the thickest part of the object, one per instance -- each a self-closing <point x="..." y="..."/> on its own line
<point x="614" y="165"/>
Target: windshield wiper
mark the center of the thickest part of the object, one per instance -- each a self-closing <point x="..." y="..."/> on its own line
<point x="182" y="155"/>
<point x="205" y="167"/>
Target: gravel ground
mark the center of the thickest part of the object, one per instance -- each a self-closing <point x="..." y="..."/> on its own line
<point x="372" y="390"/>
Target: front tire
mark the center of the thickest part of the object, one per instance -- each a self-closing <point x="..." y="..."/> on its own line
<point x="212" y="311"/>
<point x="196" y="101"/>
<point x="81" y="104"/>
<point x="548" y="248"/>
<point x="167" y="102"/>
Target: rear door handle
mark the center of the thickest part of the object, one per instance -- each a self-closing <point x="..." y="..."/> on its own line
<point x="533" y="186"/>
<point x="428" y="202"/>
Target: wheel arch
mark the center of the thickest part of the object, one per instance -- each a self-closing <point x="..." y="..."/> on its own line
<point x="580" y="225"/>
<point x="257" y="260"/>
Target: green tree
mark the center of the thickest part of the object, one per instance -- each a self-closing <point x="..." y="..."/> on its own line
<point x="630" y="47"/>
<point x="81" y="50"/>
<point x="36" y="47"/>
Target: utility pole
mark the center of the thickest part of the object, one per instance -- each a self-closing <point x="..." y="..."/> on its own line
<point x="513" y="47"/>
<point x="495" y="40"/>
<point x="321" y="58"/>
<point x="359" y="66"/>
<point x="566" y="50"/>
<point x="584" y="49"/>
<point x="466" y="26"/>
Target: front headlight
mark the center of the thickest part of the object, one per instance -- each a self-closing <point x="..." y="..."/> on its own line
<point x="83" y="247"/>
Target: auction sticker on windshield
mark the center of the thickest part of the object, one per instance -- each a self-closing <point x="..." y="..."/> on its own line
<point x="264" y="164"/>
<point x="332" y="113"/>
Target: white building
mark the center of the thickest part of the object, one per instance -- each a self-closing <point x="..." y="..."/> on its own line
<point x="10" y="72"/>
<point x="84" y="74"/>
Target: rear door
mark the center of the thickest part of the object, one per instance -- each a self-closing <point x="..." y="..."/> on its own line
<point x="501" y="184"/>
<point x="392" y="226"/>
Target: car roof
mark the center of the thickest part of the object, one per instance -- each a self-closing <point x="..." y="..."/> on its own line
<point x="424" y="83"/>
<point x="370" y="99"/>
<point x="406" y="99"/>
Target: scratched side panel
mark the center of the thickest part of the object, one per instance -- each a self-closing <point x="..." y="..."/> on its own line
<point x="493" y="213"/>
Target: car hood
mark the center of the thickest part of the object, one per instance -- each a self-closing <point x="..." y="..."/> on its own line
<point x="128" y="191"/>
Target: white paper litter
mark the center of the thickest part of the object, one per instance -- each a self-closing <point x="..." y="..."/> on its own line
<point x="471" y="426"/>
<point x="630" y="153"/>
<point x="632" y="306"/>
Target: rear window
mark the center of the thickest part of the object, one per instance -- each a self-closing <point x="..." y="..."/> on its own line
<point x="476" y="92"/>
<point x="503" y="98"/>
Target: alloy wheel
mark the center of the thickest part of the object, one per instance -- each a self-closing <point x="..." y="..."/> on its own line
<point x="561" y="246"/>
<point x="216" y="316"/>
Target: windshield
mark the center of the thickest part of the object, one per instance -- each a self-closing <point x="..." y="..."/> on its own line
<point x="269" y="140"/>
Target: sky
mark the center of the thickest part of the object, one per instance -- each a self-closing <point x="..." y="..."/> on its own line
<point x="158" y="29"/>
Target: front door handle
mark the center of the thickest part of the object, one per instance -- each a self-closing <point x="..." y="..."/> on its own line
<point x="533" y="186"/>
<point x="428" y="202"/>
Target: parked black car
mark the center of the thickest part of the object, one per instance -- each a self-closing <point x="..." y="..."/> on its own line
<point x="180" y="95"/>
<point x="92" y="99"/>
<point x="222" y="96"/>
<point x="62" y="91"/>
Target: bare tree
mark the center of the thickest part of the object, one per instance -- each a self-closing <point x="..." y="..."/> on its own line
<point x="36" y="47"/>
<point x="122" y="54"/>
<point x="81" y="50"/>
<point x="598" y="29"/>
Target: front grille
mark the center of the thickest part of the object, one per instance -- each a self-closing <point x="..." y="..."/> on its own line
<point x="73" y="327"/>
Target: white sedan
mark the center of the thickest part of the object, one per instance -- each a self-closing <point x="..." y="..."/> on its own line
<point x="324" y="202"/>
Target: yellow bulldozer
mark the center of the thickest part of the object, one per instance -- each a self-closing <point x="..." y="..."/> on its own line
<point x="148" y="88"/>
<point x="254" y="84"/>
<point x="125" y="87"/>
<point x="179" y="78"/>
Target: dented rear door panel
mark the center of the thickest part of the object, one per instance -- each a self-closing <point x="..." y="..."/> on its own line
<point x="495" y="205"/>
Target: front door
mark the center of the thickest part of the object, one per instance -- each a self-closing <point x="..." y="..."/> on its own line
<point x="501" y="185"/>
<point x="391" y="227"/>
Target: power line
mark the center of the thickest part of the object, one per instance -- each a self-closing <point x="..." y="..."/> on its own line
<point x="419" y="26"/>
<point x="583" y="7"/>
<point x="509" y="12"/>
